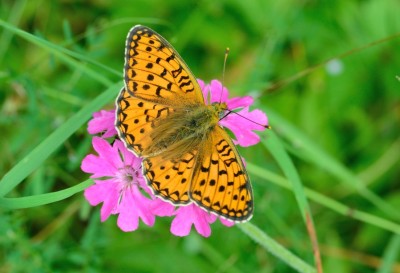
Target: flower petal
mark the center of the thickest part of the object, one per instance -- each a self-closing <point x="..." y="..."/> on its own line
<point x="203" y="88"/>
<point x="107" y="152"/>
<point x="105" y="192"/>
<point x="192" y="214"/>
<point x="203" y="221"/>
<point x="131" y="209"/>
<point x="217" y="93"/>
<point x="103" y="121"/>
<point x="144" y="207"/>
<point x="239" y="102"/>
<point x="106" y="164"/>
<point x="162" y="208"/>
<point x="180" y="226"/>
<point x="92" y="196"/>
<point x="243" y="124"/>
<point x="226" y="222"/>
<point x="96" y="166"/>
<point x="128" y="219"/>
<point x="128" y="157"/>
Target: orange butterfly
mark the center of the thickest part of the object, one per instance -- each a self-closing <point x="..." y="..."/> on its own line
<point x="162" y="117"/>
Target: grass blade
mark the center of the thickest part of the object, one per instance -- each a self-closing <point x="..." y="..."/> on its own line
<point x="275" y="248"/>
<point x="42" y="199"/>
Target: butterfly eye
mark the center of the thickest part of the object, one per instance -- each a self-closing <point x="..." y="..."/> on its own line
<point x="222" y="113"/>
<point x="221" y="109"/>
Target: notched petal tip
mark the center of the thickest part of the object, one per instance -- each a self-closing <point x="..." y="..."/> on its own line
<point x="192" y="215"/>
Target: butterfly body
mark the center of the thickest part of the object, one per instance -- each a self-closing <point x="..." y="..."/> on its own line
<point x="163" y="118"/>
<point x="185" y="129"/>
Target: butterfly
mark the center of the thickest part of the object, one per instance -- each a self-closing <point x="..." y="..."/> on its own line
<point x="162" y="117"/>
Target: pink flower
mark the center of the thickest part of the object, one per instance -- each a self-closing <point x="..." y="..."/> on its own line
<point x="186" y="216"/>
<point x="242" y="123"/>
<point x="119" y="184"/>
<point x="103" y="121"/>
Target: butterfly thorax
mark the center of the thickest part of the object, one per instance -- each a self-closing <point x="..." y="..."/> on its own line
<point x="184" y="129"/>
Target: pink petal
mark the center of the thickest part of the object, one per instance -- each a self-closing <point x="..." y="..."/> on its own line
<point x="103" y="121"/>
<point x="192" y="214"/>
<point x="203" y="228"/>
<point x="204" y="89"/>
<point x="243" y="124"/>
<point x="134" y="206"/>
<point x="105" y="192"/>
<point x="128" y="157"/>
<point x="180" y="226"/>
<point x="226" y="222"/>
<point x="128" y="219"/>
<point x="91" y="195"/>
<point x="127" y="222"/>
<point x="162" y="208"/>
<point x="239" y="102"/>
<point x="107" y="152"/>
<point x="106" y="164"/>
<point x="217" y="93"/>
<point x="96" y="166"/>
<point x="203" y="220"/>
<point x="144" y="207"/>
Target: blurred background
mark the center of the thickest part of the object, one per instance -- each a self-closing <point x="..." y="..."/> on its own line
<point x="349" y="107"/>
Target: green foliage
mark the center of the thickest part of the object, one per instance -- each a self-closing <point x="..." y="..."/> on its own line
<point x="332" y="154"/>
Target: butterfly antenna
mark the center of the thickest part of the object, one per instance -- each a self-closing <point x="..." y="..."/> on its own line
<point x="222" y="89"/>
<point x="231" y="112"/>
<point x="223" y="72"/>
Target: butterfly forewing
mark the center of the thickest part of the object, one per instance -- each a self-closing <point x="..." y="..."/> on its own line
<point x="221" y="184"/>
<point x="135" y="121"/>
<point x="155" y="71"/>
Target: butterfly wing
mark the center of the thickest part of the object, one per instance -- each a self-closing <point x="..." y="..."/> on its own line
<point x="154" y="70"/>
<point x="170" y="179"/>
<point x="135" y="120"/>
<point x="157" y="81"/>
<point x="220" y="183"/>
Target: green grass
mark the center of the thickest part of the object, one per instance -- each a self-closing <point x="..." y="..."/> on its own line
<point x="330" y="163"/>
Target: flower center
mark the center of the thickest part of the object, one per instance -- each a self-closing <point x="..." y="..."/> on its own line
<point x="128" y="175"/>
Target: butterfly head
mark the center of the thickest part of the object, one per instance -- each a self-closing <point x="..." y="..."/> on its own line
<point x="220" y="108"/>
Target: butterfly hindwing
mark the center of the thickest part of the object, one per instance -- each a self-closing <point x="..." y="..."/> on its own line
<point x="170" y="179"/>
<point x="221" y="184"/>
